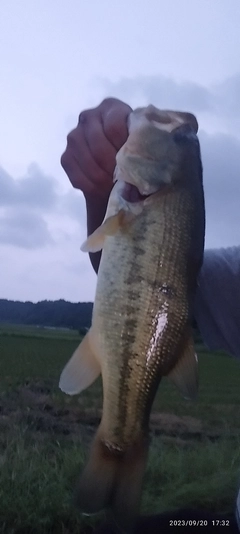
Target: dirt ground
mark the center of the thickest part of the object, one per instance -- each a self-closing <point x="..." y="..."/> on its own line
<point x="33" y="405"/>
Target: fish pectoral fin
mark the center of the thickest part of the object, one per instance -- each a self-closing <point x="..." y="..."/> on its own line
<point x="185" y="373"/>
<point x="81" y="370"/>
<point x="110" y="226"/>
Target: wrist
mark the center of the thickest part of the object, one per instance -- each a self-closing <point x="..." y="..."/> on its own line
<point x="96" y="206"/>
<point x="98" y="195"/>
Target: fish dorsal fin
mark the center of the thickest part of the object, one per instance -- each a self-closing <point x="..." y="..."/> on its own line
<point x="110" y="226"/>
<point x="185" y="373"/>
<point x="81" y="370"/>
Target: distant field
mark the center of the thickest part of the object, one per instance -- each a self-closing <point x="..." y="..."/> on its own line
<point x="44" y="435"/>
<point x="37" y="331"/>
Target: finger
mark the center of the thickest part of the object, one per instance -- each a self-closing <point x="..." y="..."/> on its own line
<point x="102" y="150"/>
<point x="102" y="182"/>
<point x="114" y="116"/>
<point x="78" y="146"/>
<point x="77" y="178"/>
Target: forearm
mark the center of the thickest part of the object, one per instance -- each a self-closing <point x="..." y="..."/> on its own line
<point x="96" y="208"/>
<point x="217" y="305"/>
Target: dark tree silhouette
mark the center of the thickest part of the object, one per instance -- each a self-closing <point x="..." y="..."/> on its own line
<point x="59" y="313"/>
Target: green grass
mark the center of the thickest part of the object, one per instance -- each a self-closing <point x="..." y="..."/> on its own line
<point x="37" y="331"/>
<point x="44" y="437"/>
<point x="32" y="357"/>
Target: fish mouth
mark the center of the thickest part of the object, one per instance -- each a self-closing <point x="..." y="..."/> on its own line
<point x="131" y="193"/>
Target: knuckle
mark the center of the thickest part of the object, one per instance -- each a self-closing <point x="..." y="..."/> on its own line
<point x="71" y="136"/>
<point x="106" y="104"/>
<point x="75" y="183"/>
<point x="109" y="101"/>
<point x="106" y="101"/>
<point x="82" y="119"/>
<point x="85" y="115"/>
<point x="64" y="160"/>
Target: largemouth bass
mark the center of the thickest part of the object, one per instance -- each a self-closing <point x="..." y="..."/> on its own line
<point x="152" y="242"/>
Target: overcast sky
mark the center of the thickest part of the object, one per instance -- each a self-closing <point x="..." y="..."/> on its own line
<point x="59" y="57"/>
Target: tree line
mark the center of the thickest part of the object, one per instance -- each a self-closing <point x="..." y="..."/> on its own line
<point x="58" y="313"/>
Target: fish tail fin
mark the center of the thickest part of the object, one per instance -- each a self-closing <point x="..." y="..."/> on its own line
<point x="126" y="496"/>
<point x="95" y="486"/>
<point x="113" y="479"/>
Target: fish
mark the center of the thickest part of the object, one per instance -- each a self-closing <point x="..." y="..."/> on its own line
<point x="152" y="242"/>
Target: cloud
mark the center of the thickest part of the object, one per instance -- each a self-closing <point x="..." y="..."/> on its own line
<point x="24" y="229"/>
<point x="38" y="191"/>
<point x="23" y="203"/>
<point x="33" y="209"/>
<point x="72" y="204"/>
<point x="218" y="103"/>
<point x="221" y="165"/>
<point x="161" y="91"/>
<point x="226" y="96"/>
<point x="34" y="190"/>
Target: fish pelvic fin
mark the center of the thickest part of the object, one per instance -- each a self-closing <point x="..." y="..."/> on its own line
<point x="82" y="369"/>
<point x="112" y="479"/>
<point x="110" y="226"/>
<point x="185" y="373"/>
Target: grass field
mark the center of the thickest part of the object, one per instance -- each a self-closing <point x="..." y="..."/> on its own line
<point x="194" y="457"/>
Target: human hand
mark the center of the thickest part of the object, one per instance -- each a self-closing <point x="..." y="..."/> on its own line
<point x="89" y="158"/>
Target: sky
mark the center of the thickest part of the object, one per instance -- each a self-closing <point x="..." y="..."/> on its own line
<point x="58" y="58"/>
